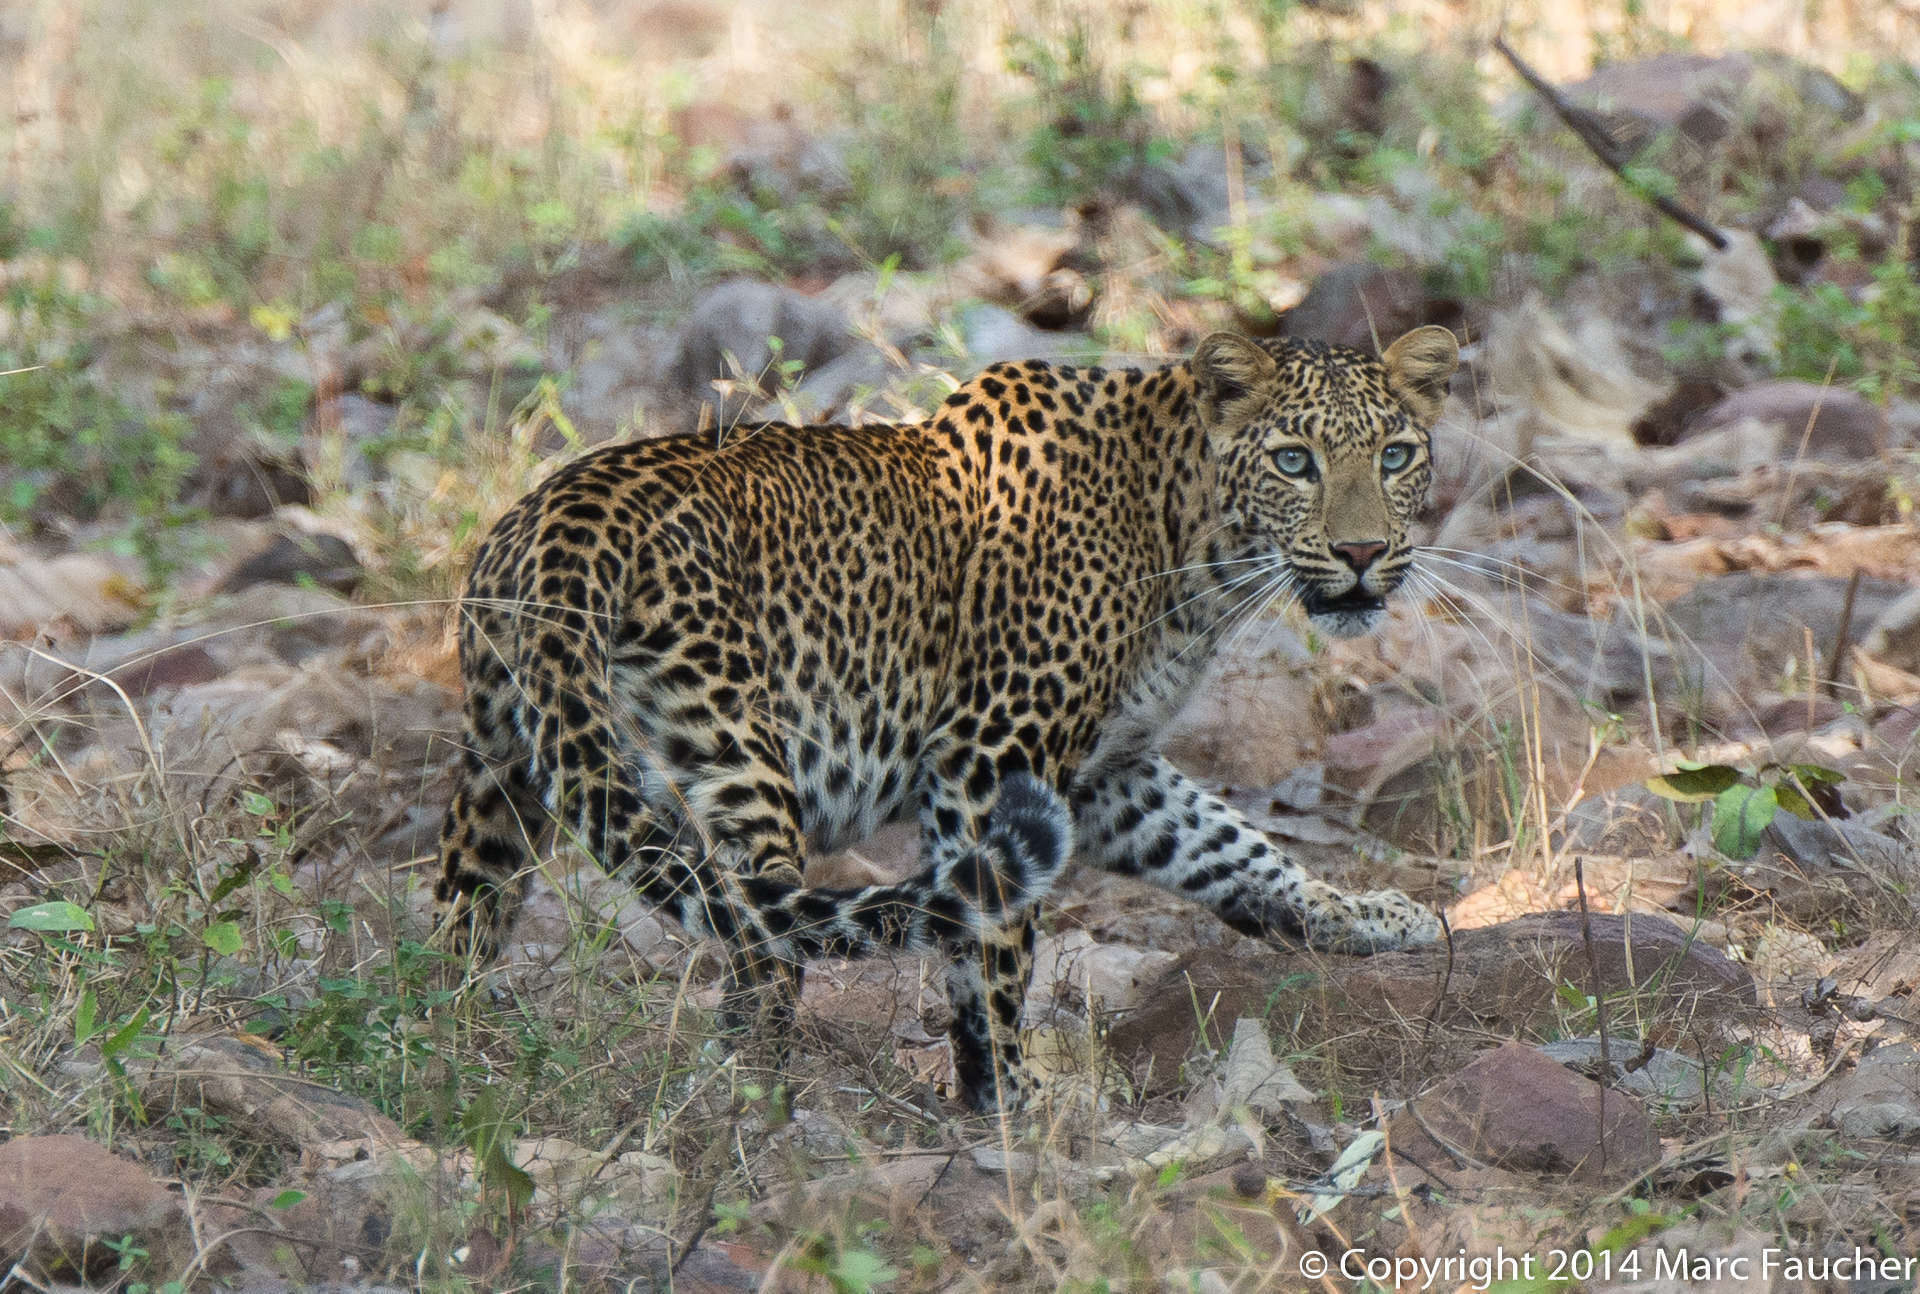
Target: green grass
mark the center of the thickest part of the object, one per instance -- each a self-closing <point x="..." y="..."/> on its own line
<point x="225" y="181"/>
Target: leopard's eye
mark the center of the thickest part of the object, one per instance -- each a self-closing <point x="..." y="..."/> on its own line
<point x="1294" y="461"/>
<point x="1395" y="457"/>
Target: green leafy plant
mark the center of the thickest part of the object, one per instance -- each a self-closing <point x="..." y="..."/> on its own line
<point x="1745" y="801"/>
<point x="489" y="1135"/>
<point x="848" y="1269"/>
<point x="1093" y="131"/>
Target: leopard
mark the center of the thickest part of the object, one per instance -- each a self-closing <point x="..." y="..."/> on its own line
<point x="708" y="657"/>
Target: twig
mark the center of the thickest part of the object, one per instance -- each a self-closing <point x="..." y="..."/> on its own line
<point x="1446" y="978"/>
<point x="1456" y="1153"/>
<point x="1593" y="133"/>
<point x="1599" y="1006"/>
<point x="1831" y="678"/>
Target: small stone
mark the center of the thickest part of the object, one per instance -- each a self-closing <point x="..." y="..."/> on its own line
<point x="1017" y="1164"/>
<point x="325" y="560"/>
<point x="1515" y="1109"/>
<point x="727" y="339"/>
<point x="991" y="334"/>
<point x="63" y="1197"/>
<point x="1880" y="1099"/>
<point x="1894" y="636"/>
<point x="1353" y="303"/>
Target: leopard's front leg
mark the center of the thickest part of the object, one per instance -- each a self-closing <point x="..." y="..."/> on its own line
<point x="1145" y="818"/>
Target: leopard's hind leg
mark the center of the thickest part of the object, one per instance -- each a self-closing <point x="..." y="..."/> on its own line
<point x="492" y="826"/>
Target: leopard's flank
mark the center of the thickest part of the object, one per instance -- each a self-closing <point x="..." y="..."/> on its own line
<point x="706" y="657"/>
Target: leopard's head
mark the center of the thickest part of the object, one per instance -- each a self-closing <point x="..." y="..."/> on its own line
<point x="1323" y="453"/>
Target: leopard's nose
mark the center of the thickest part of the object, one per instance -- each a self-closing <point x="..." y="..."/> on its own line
<point x="1360" y="555"/>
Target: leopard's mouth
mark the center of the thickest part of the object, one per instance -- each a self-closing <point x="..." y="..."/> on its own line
<point x="1352" y="614"/>
<point x="1355" y="601"/>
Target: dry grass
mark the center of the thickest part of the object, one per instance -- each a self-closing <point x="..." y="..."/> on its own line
<point x="233" y="171"/>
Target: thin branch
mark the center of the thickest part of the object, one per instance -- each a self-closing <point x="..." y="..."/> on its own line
<point x="1599" y="1008"/>
<point x="1830" y="677"/>
<point x="1593" y="133"/>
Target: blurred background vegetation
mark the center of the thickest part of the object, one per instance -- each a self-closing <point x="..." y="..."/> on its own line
<point x="413" y="203"/>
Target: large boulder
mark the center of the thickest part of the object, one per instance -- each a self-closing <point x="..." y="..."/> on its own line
<point x="1801" y="419"/>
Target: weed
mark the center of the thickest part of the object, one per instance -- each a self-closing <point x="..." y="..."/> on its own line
<point x="68" y="446"/>
<point x="1093" y="129"/>
<point x="1867" y="341"/>
<point x="1745" y="801"/>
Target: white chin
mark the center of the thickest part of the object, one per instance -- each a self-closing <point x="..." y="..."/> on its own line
<point x="1346" y="624"/>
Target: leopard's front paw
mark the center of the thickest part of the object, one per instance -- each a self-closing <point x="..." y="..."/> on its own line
<point x="1360" y="925"/>
<point x="1406" y="923"/>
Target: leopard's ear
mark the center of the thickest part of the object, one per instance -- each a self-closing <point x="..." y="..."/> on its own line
<point x="1419" y="366"/>
<point x="1233" y="376"/>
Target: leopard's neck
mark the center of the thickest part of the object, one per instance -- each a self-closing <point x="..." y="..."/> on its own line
<point x="1218" y="571"/>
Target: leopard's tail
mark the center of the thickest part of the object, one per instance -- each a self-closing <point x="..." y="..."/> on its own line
<point x="1028" y="840"/>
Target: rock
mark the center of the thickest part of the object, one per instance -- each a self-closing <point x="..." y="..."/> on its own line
<point x="1506" y="977"/>
<point x="1689" y="92"/>
<point x="1353" y="303"/>
<point x="1836" y="424"/>
<point x="297" y="622"/>
<point x="245" y="1083"/>
<point x="1515" y="1109"/>
<point x="1020" y="1165"/>
<point x="247" y="479"/>
<point x="1384" y="768"/>
<point x="1092" y="977"/>
<point x="736" y="319"/>
<point x="611" y="356"/>
<point x="338" y="441"/>
<point x="1628" y="820"/>
<point x="1664" y="1078"/>
<point x="244" y="466"/>
<point x="351" y="1192"/>
<point x="991" y="334"/>
<point x="1844" y="844"/>
<point x="173" y="667"/>
<point x="1707" y="98"/>
<point x="829" y="393"/>
<point x="1189" y="195"/>
<point x="1664" y="421"/>
<point x="1736" y="632"/>
<point x="1711" y="1257"/>
<point x="779" y="158"/>
<point x="1894" y="636"/>
<point x="59" y="596"/>
<point x="299" y="558"/>
<point x="62" y="1198"/>
<point x="1880" y="1099"/>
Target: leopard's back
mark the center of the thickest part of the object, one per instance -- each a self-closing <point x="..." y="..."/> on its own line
<point x="810" y="575"/>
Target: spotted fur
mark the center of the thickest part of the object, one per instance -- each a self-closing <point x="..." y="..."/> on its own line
<point x="707" y="657"/>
